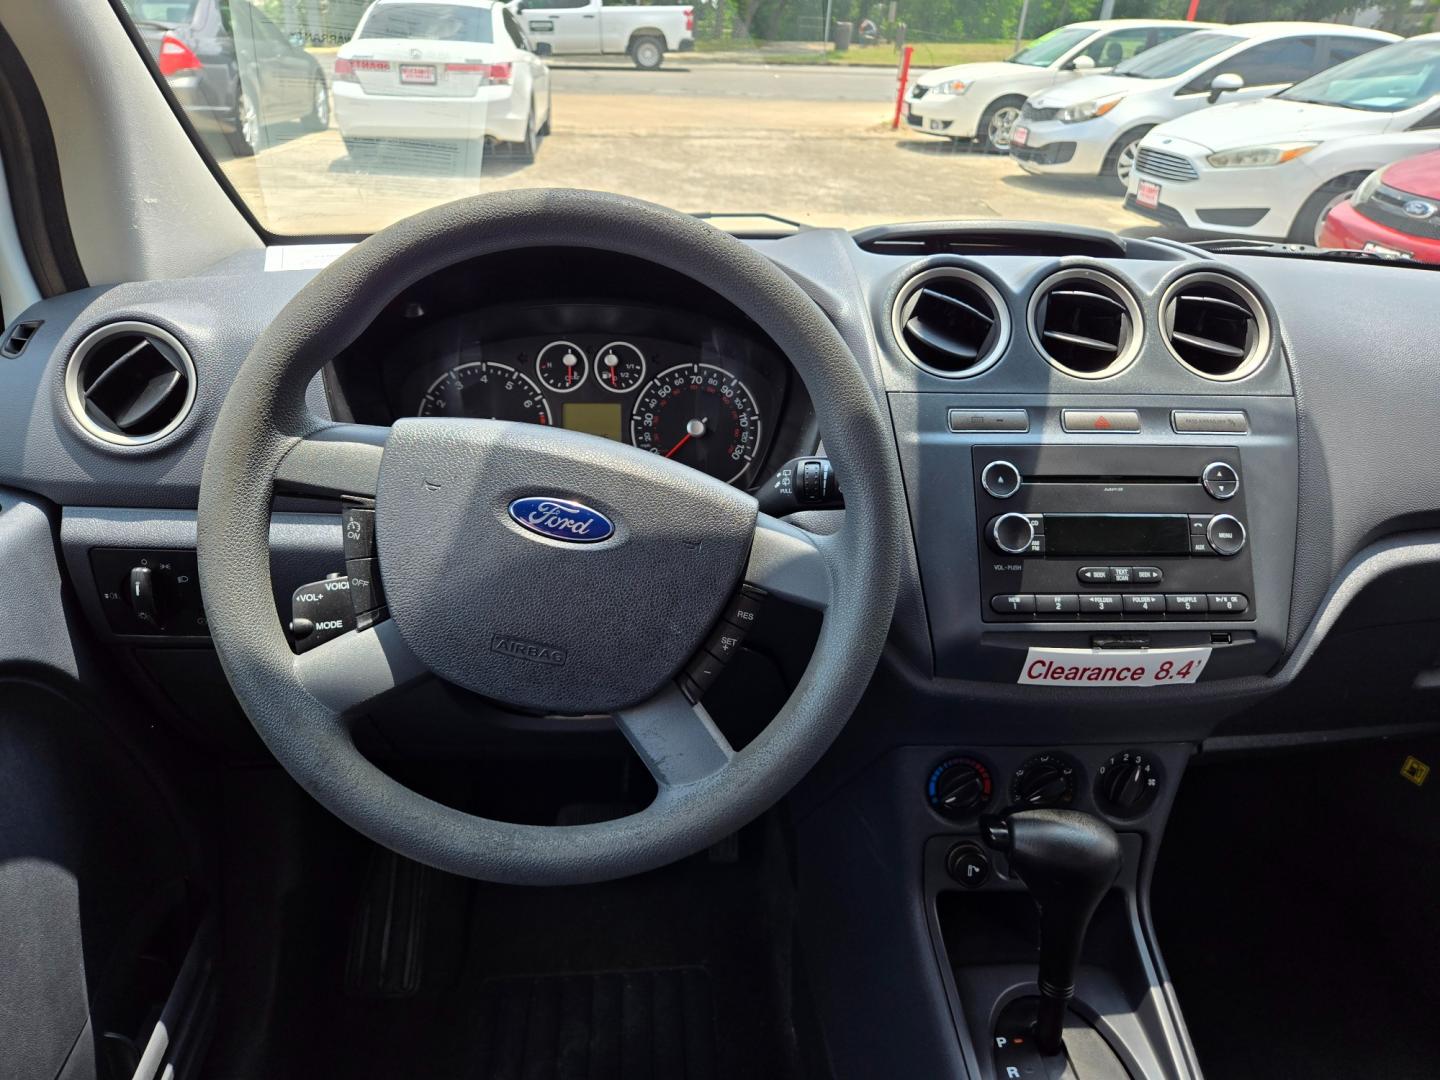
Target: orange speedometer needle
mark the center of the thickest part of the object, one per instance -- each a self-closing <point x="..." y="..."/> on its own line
<point x="676" y="448"/>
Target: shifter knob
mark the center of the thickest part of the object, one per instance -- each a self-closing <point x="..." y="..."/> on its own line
<point x="1068" y="860"/>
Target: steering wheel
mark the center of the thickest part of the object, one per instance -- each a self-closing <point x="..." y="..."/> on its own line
<point x="616" y="618"/>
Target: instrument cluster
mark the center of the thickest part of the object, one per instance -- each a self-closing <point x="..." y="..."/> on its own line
<point x="699" y="392"/>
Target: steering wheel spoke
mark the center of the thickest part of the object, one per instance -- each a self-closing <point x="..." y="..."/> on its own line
<point x="678" y="741"/>
<point x="790" y="563"/>
<point x="342" y="459"/>
<point x="356" y="668"/>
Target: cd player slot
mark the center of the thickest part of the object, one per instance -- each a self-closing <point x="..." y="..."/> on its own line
<point x="1042" y="478"/>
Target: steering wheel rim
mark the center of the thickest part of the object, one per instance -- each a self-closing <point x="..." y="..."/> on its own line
<point x="301" y="705"/>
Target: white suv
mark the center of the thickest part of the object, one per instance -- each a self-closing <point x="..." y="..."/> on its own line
<point x="1093" y="126"/>
<point x="967" y="101"/>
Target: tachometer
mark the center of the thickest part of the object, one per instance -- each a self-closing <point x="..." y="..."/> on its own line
<point x="700" y="415"/>
<point x="486" y="390"/>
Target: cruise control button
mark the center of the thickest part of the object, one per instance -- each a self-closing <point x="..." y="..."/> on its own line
<point x="1186" y="603"/>
<point x="742" y="610"/>
<point x="1013" y="604"/>
<point x="703" y="671"/>
<point x="359" y="533"/>
<point x="1228" y="603"/>
<point x="1093" y="575"/>
<point x="1149" y="575"/>
<point x="724" y="641"/>
<point x="365" y="594"/>
<point x="1057" y="604"/>
<point x="1144" y="604"/>
<point x="1100" y="605"/>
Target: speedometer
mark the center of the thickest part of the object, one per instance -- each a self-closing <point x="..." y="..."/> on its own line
<point x="701" y="415"/>
<point x="486" y="390"/>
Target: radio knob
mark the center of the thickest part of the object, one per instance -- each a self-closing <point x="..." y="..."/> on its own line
<point x="1220" y="480"/>
<point x="1000" y="479"/>
<point x="1225" y="535"/>
<point x="1012" y="534"/>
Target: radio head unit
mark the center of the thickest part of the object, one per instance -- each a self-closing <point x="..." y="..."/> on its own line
<point x="1106" y="534"/>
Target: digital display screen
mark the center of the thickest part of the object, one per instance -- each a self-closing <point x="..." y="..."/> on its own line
<point x="601" y="418"/>
<point x="1117" y="534"/>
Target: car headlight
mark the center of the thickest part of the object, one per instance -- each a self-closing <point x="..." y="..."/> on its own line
<point x="1089" y="110"/>
<point x="954" y="86"/>
<point x="1257" y="157"/>
<point x="1367" y="188"/>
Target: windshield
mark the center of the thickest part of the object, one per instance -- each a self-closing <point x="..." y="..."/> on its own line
<point x="333" y="119"/>
<point x="431" y="22"/>
<point x="1176" y="57"/>
<point x="1046" y="50"/>
<point x="1387" y="80"/>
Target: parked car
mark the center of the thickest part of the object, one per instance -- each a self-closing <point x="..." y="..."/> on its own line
<point x="982" y="101"/>
<point x="1276" y="168"/>
<point x="231" y="68"/>
<point x="1094" y="126"/>
<point x="591" y="28"/>
<point x="1394" y="211"/>
<point x="459" y="70"/>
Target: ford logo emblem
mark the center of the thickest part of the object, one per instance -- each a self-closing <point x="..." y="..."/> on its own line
<point x="559" y="519"/>
<point x="1419" y="208"/>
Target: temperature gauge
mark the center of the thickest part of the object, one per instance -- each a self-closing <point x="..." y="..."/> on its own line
<point x="620" y="367"/>
<point x="562" y="366"/>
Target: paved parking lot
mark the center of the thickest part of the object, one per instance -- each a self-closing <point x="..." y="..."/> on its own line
<point x="813" y="144"/>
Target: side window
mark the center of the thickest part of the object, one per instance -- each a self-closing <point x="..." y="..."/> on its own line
<point x="554" y="4"/>
<point x="1167" y="33"/>
<point x="1274" y="63"/>
<point x="1342" y="49"/>
<point x="513" y="29"/>
<point x="1109" y="50"/>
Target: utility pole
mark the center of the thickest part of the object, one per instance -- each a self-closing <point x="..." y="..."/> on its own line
<point x="1020" y="30"/>
<point x="827" y="20"/>
<point x="1107" y="9"/>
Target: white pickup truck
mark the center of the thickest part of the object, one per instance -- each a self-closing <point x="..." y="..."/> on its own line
<point x="592" y="28"/>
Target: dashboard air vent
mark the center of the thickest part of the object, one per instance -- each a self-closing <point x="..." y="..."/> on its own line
<point x="1085" y="323"/>
<point x="1215" y="326"/>
<point x="951" y="322"/>
<point x="130" y="383"/>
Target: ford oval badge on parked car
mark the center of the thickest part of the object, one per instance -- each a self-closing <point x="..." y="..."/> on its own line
<point x="559" y="519"/>
<point x="1419" y="208"/>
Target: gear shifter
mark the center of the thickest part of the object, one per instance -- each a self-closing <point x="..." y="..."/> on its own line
<point x="1068" y="860"/>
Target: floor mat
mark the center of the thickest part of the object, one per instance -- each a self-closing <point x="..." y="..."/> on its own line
<point x="634" y="1025"/>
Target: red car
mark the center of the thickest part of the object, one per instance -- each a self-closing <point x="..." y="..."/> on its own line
<point x="1395" y="211"/>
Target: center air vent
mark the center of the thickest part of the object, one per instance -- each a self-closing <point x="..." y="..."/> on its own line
<point x="1085" y="323"/>
<point x="1215" y="326"/>
<point x="951" y="322"/>
<point x="130" y="383"/>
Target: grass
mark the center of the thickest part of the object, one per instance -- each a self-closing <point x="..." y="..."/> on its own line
<point x="927" y="54"/>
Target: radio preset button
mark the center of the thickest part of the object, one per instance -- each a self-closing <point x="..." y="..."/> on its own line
<point x="1001" y="479"/>
<point x="1013" y="604"/>
<point x="1100" y="605"/>
<point x="1013" y="534"/>
<point x="1228" y="603"/>
<point x="1220" y="480"/>
<point x="1226" y="535"/>
<point x="1144" y="604"/>
<point x="1149" y="575"/>
<point x="1186" y="603"/>
<point x="1057" y="604"/>
<point x="1093" y="575"/>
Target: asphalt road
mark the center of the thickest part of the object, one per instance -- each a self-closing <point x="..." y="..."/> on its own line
<point x="776" y="82"/>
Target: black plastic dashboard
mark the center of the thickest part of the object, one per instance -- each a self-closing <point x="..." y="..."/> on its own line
<point x="1335" y="441"/>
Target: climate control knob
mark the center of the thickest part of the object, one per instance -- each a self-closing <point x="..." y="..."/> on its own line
<point x="1012" y="534"/>
<point x="1126" y="785"/>
<point x="960" y="787"/>
<point x="1225" y="535"/>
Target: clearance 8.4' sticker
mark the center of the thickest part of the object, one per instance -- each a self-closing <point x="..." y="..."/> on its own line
<point x="1113" y="667"/>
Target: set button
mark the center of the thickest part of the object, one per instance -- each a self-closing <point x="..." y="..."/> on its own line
<point x="736" y="621"/>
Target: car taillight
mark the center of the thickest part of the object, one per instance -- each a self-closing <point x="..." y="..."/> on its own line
<point x="689" y="18"/>
<point x="490" y="74"/>
<point x="344" y="71"/>
<point x="175" y="57"/>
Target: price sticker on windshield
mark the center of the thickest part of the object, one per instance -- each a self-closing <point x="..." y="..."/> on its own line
<point x="1113" y="667"/>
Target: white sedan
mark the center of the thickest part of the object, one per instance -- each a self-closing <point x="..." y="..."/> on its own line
<point x="458" y="70"/>
<point x="1275" y="168"/>
<point x="983" y="100"/>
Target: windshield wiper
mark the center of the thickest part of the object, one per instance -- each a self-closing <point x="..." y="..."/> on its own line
<point x="1240" y="246"/>
<point x="790" y="227"/>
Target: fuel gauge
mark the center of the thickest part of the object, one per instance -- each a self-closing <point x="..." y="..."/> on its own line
<point x="620" y="367"/>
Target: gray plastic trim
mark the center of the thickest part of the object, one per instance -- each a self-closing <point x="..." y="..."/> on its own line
<point x="17" y="285"/>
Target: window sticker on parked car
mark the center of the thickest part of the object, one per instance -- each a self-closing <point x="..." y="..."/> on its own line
<point x="1113" y="667"/>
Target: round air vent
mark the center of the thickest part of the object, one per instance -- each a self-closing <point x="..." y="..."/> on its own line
<point x="1215" y="326"/>
<point x="130" y="383"/>
<point x="1085" y="323"/>
<point x="951" y="322"/>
